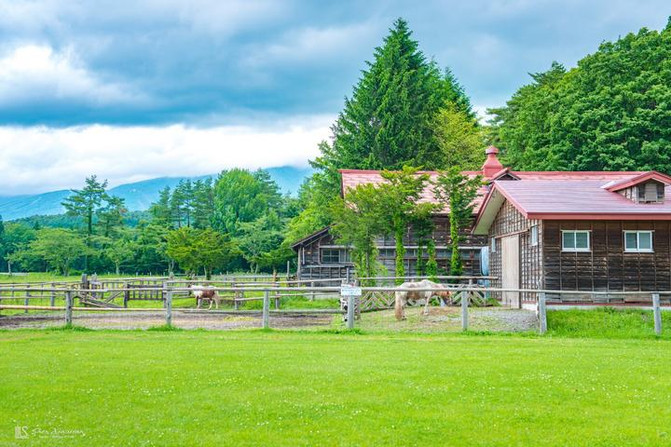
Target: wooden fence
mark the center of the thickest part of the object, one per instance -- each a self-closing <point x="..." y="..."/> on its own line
<point x="63" y="299"/>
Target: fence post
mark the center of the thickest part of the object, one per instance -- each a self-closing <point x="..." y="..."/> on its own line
<point x="312" y="293"/>
<point x="126" y="293"/>
<point x="168" y="308"/>
<point x="68" y="308"/>
<point x="52" y="299"/>
<point x="464" y="311"/>
<point x="657" y="311"/>
<point x="26" y="301"/>
<point x="542" y="314"/>
<point x="351" y="307"/>
<point x="164" y="294"/>
<point x="266" y="309"/>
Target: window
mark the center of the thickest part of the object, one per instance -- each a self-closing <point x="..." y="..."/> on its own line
<point x="534" y="235"/>
<point x="638" y="241"/>
<point x="651" y="192"/>
<point x="335" y="255"/>
<point x="575" y="240"/>
<point x="493" y="245"/>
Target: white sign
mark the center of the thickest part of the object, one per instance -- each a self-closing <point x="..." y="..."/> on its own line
<point x="350" y="291"/>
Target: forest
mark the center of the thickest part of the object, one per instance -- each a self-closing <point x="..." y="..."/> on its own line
<point x="612" y="111"/>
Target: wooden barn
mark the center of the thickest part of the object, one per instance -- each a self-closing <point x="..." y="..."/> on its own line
<point x="582" y="231"/>
<point x="320" y="257"/>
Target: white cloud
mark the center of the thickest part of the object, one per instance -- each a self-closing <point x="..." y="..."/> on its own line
<point x="36" y="73"/>
<point x="313" y="44"/>
<point x="37" y="159"/>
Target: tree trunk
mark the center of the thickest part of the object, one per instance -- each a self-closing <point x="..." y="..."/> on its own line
<point x="400" y="254"/>
<point x="455" y="258"/>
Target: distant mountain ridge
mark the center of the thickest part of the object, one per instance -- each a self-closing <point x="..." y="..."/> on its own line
<point x="138" y="195"/>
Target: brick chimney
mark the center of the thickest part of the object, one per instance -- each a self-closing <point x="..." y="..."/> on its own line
<point x="492" y="164"/>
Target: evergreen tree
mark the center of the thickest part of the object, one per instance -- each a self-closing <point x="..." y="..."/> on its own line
<point x="110" y="216"/>
<point x="390" y="122"/>
<point x="160" y="210"/>
<point x="87" y="203"/>
<point x="387" y="122"/>
<point x="203" y="203"/>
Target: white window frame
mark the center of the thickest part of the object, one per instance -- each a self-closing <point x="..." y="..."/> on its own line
<point x="576" y="250"/>
<point x="533" y="236"/>
<point x="638" y="241"/>
<point x="493" y="245"/>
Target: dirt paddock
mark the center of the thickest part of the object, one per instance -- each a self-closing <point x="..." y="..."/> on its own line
<point x="445" y="319"/>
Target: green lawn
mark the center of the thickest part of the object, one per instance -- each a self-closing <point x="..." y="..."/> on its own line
<point x="272" y="388"/>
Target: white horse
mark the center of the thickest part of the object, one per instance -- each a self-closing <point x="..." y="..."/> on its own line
<point x="402" y="296"/>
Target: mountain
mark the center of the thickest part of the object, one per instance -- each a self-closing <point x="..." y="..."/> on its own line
<point x="138" y="195"/>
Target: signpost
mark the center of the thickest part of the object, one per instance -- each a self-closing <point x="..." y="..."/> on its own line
<point x="351" y="293"/>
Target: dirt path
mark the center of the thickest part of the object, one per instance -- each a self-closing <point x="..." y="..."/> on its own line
<point x="145" y="320"/>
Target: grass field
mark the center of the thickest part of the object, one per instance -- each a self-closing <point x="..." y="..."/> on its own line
<point x="271" y="388"/>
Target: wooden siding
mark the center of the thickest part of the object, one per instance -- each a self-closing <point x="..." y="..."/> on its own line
<point x="509" y="221"/>
<point x="607" y="267"/>
<point x="310" y="266"/>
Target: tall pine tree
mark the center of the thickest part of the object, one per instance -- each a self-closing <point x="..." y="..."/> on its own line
<point x="388" y="121"/>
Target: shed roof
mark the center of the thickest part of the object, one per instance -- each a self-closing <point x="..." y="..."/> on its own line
<point x="310" y="237"/>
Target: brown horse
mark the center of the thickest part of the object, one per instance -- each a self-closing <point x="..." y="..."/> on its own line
<point x="205" y="293"/>
<point x="402" y="296"/>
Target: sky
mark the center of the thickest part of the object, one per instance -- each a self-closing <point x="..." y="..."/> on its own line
<point x="131" y="90"/>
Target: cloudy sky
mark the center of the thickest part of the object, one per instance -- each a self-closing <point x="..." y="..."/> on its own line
<point x="137" y="89"/>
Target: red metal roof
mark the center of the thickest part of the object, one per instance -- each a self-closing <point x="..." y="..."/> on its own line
<point x="541" y="199"/>
<point x="351" y="178"/>
<point x="570" y="196"/>
<point x="638" y="179"/>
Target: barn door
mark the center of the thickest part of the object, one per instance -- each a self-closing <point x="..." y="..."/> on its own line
<point x="510" y="269"/>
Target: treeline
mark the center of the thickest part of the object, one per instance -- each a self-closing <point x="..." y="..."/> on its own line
<point x="233" y="223"/>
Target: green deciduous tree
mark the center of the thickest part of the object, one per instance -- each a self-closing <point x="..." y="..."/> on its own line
<point x="119" y="251"/>
<point x="241" y="196"/>
<point x="397" y="207"/>
<point x="611" y="112"/>
<point x="199" y="250"/>
<point x="459" y="191"/>
<point x="259" y="241"/>
<point x="60" y="248"/>
<point x="459" y="138"/>
<point x="357" y="223"/>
